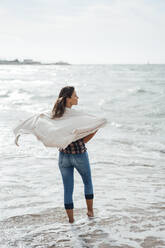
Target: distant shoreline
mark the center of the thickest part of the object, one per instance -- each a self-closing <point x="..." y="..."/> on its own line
<point x="29" y="62"/>
<point x="32" y="62"/>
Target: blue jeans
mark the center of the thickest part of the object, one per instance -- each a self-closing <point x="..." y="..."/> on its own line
<point x="67" y="163"/>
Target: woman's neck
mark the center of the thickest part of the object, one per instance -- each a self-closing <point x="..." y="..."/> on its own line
<point x="68" y="105"/>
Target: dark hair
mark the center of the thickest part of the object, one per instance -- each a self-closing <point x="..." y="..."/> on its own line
<point x="59" y="106"/>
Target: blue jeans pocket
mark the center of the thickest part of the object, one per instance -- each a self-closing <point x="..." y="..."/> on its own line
<point x="64" y="160"/>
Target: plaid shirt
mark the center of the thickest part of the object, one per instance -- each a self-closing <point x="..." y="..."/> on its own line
<point x="75" y="147"/>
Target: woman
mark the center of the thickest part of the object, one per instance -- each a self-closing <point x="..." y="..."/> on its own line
<point x="73" y="156"/>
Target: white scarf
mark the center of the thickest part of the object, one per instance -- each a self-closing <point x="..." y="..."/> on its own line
<point x="59" y="132"/>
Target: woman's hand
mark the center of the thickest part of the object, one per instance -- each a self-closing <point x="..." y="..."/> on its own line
<point x="88" y="137"/>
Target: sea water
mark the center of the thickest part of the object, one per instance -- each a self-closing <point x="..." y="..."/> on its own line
<point x="127" y="158"/>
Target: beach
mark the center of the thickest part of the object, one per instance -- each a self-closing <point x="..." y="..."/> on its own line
<point x="127" y="158"/>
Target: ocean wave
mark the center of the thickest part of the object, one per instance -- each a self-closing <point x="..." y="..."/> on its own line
<point x="4" y="93"/>
<point x="139" y="90"/>
<point x="117" y="229"/>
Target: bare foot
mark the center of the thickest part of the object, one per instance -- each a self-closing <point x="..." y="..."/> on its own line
<point x="71" y="220"/>
<point x="90" y="214"/>
<point x="70" y="215"/>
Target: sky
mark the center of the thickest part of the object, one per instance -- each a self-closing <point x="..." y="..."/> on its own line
<point x="83" y="31"/>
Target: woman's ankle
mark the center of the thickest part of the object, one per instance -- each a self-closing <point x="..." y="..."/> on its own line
<point x="71" y="220"/>
<point x="90" y="213"/>
<point x="70" y="215"/>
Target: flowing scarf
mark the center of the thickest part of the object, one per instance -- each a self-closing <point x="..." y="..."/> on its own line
<point x="59" y="132"/>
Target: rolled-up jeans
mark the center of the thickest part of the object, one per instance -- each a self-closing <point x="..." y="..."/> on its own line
<point x="67" y="163"/>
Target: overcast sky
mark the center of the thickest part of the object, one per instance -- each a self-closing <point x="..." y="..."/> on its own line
<point x="83" y="31"/>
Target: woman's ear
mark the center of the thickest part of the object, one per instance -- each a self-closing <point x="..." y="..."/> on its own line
<point x="68" y="101"/>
